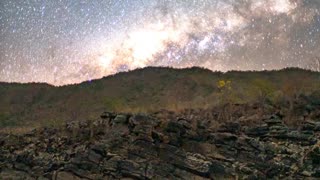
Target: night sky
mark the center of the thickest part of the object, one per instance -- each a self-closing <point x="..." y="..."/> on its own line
<point x="70" y="41"/>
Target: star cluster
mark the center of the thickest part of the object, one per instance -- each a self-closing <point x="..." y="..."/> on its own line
<point x="70" y="41"/>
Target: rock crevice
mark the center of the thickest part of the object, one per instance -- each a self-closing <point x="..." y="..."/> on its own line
<point x="153" y="147"/>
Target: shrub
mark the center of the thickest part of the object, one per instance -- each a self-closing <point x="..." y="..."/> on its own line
<point x="262" y="90"/>
<point x="6" y="121"/>
<point x="222" y="84"/>
<point x="114" y="104"/>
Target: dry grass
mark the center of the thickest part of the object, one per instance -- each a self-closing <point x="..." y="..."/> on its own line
<point x="17" y="130"/>
<point x="141" y="91"/>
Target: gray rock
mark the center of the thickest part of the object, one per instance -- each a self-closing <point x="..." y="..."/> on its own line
<point x="257" y="131"/>
<point x="230" y="127"/>
<point x="120" y="119"/>
<point x="108" y="115"/>
<point x="148" y="147"/>
<point x="273" y="120"/>
<point x="224" y="138"/>
<point x="196" y="164"/>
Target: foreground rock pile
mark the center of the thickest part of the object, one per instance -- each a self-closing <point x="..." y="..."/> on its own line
<point x="163" y="146"/>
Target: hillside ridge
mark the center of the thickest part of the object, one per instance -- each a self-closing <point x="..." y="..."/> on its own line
<point x="147" y="90"/>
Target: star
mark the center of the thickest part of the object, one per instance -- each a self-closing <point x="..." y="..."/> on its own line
<point x="66" y="42"/>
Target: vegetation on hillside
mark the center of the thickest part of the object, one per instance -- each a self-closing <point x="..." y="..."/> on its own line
<point x="150" y="89"/>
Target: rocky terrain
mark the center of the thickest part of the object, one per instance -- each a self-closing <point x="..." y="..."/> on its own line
<point x="192" y="144"/>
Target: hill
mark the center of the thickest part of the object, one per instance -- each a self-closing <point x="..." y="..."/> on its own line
<point x="150" y="89"/>
<point x="169" y="124"/>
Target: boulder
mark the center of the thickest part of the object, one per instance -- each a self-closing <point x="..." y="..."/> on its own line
<point x="108" y="115"/>
<point x="230" y="127"/>
<point x="185" y="123"/>
<point x="257" y="131"/>
<point x="120" y="119"/>
<point x="175" y="127"/>
<point x="223" y="138"/>
<point x="196" y="164"/>
<point x="311" y="126"/>
<point x="273" y="120"/>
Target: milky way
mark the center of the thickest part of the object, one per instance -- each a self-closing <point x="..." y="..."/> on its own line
<point x="70" y="41"/>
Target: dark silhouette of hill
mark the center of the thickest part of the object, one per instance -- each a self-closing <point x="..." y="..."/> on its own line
<point x="149" y="89"/>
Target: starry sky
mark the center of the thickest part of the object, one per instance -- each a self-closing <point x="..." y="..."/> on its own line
<point x="70" y="41"/>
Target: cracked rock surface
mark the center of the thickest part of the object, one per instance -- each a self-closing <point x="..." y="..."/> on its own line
<point x="164" y="145"/>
